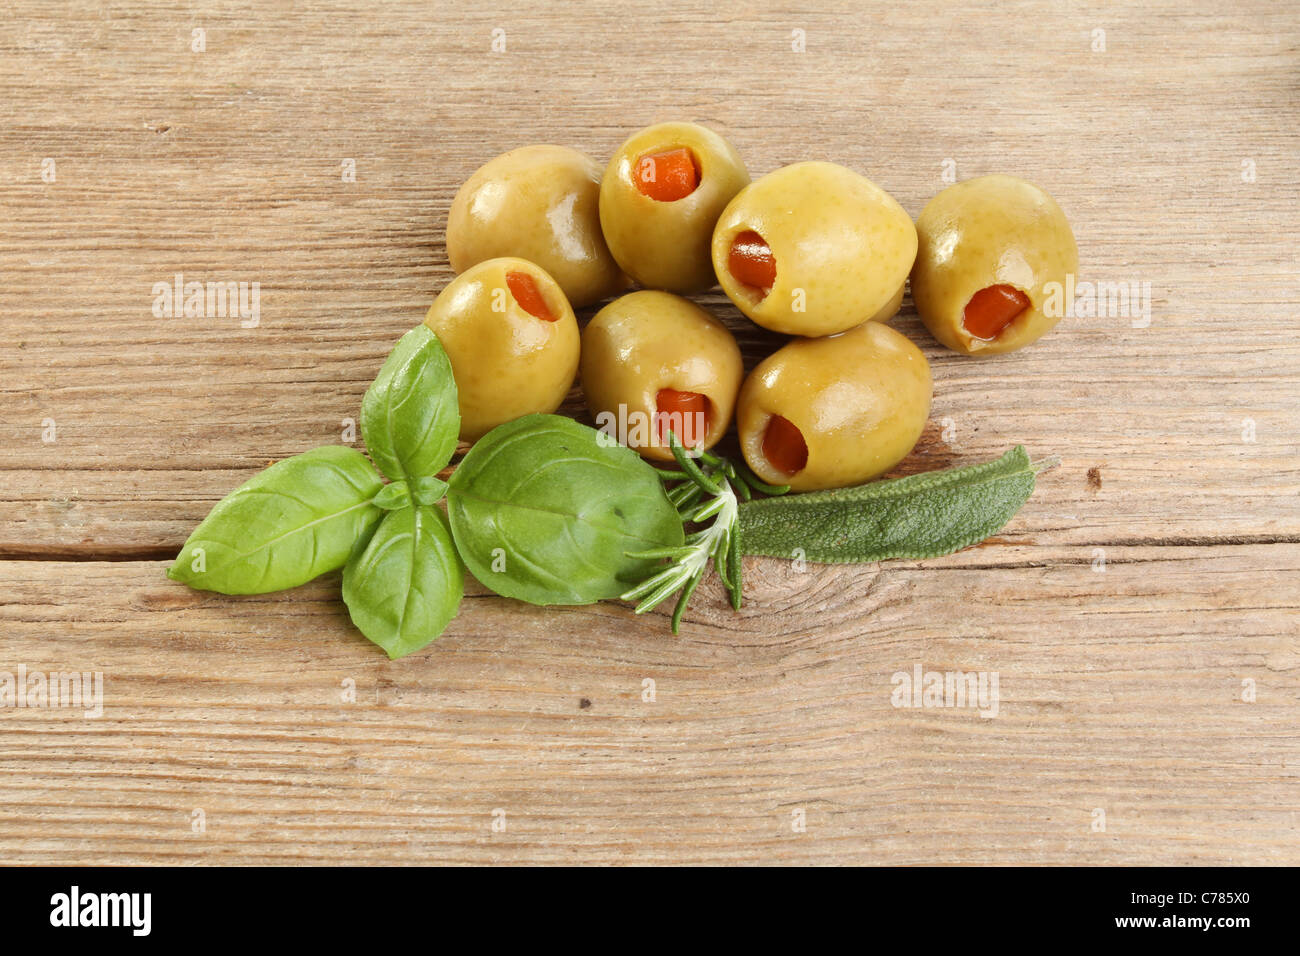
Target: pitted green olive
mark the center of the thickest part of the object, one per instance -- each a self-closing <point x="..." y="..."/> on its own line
<point x="890" y="308"/>
<point x="813" y="249"/>
<point x="991" y="270"/>
<point x="652" y="361"/>
<point x="660" y="198"/>
<point x="512" y="340"/>
<point x="835" y="411"/>
<point x="540" y="203"/>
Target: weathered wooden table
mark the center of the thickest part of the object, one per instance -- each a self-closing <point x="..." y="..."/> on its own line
<point x="1141" y="612"/>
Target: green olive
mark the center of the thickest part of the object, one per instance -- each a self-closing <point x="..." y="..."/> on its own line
<point x="991" y="270"/>
<point x="540" y="203"/>
<point x="890" y="308"/>
<point x="813" y="249"/>
<point x="512" y="340"/>
<point x="835" y="411"/>
<point x="660" y="198"/>
<point x="652" y="361"/>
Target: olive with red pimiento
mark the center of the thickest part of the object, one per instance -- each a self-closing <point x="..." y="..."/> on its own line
<point x="651" y="362"/>
<point x="890" y="308"/>
<point x="512" y="339"/>
<point x="813" y="249"/>
<point x="660" y="198"/>
<point x="990" y="274"/>
<point x="834" y="411"/>
<point x="540" y="203"/>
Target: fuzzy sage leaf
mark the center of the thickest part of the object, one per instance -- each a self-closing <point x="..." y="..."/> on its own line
<point x="297" y="519"/>
<point x="919" y="516"/>
<point x="406" y="584"/>
<point x="409" y="416"/>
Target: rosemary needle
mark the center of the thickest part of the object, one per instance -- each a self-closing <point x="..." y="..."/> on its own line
<point x="718" y="484"/>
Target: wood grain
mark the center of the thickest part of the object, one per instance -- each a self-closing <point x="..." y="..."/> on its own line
<point x="1120" y="691"/>
<point x="1173" y="151"/>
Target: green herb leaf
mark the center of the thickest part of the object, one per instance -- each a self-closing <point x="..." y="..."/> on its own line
<point x="545" y="510"/>
<point x="393" y="497"/>
<point x="297" y="519"/>
<point x="410" y="417"/>
<point x="404" y="587"/>
<point x="402" y="493"/>
<point x="428" y="490"/>
<point x="719" y="541"/>
<point x="919" y="516"/>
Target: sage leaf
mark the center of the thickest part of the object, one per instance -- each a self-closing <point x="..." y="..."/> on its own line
<point x="284" y="526"/>
<point x="409" y="416"/>
<point x="919" y="516"/>
<point x="406" y="584"/>
<point x="546" y="510"/>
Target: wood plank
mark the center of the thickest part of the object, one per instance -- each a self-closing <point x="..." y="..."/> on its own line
<point x="221" y="166"/>
<point x="1119" y="690"/>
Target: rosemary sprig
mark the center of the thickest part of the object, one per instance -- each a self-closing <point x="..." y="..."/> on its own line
<point x="721" y="482"/>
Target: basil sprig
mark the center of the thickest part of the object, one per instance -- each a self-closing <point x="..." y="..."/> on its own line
<point x="329" y="508"/>
<point x="542" y="509"/>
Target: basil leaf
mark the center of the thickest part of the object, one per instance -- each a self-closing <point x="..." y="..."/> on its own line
<point x="393" y="497"/>
<point x="404" y="587"/>
<point x="919" y="516"/>
<point x="410" y="417"/>
<point x="281" y="528"/>
<point x="545" y="510"/>
<point x="428" y="490"/>
<point x="402" y="493"/>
